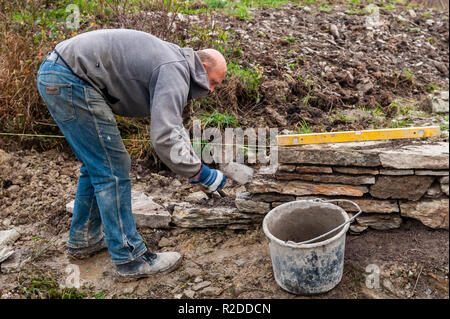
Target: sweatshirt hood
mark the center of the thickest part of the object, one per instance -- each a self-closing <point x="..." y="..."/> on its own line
<point x="199" y="85"/>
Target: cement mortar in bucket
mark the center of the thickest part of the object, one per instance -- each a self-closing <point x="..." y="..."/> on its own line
<point x="307" y="244"/>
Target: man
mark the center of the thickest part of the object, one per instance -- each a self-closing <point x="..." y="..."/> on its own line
<point x="90" y="78"/>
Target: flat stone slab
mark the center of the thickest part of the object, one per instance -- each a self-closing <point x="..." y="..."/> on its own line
<point x="329" y="178"/>
<point x="424" y="156"/>
<point x="388" y="154"/>
<point x="146" y="212"/>
<point x="432" y="213"/>
<point x="396" y="172"/>
<point x="8" y="236"/>
<point x="5" y="253"/>
<point x="366" y="205"/>
<point x="401" y="187"/>
<point x="300" y="188"/>
<point x="372" y="206"/>
<point x="340" y="154"/>
<point x="380" y="222"/>
<point x="273" y="197"/>
<point x="245" y="204"/>
<point x="356" y="170"/>
<point x="286" y="168"/>
<point x="238" y="172"/>
<point x="192" y="216"/>
<point x="431" y="173"/>
<point x="314" y="169"/>
<point x="13" y="263"/>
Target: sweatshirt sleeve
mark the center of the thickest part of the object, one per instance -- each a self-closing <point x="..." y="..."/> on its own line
<point x="169" y="89"/>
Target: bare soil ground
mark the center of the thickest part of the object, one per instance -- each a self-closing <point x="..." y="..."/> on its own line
<point x="413" y="260"/>
<point x="326" y="68"/>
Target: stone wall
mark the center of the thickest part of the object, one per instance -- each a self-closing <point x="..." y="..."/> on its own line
<point x="387" y="179"/>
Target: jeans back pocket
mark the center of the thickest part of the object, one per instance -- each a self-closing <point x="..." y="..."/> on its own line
<point x="58" y="98"/>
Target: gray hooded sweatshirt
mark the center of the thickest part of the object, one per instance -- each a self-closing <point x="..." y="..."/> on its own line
<point x="140" y="75"/>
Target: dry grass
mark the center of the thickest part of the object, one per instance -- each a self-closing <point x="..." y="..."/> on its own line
<point x="31" y="28"/>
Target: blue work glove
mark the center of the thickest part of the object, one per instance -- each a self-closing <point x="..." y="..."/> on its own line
<point x="213" y="179"/>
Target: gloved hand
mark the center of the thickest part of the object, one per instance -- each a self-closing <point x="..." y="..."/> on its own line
<point x="213" y="179"/>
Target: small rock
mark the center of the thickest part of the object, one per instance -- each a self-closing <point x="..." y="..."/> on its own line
<point x="307" y="9"/>
<point x="13" y="188"/>
<point x="334" y="31"/>
<point x="358" y="228"/>
<point x="7" y="222"/>
<point x="189" y="293"/>
<point x="211" y="291"/>
<point x="4" y="157"/>
<point x="201" y="285"/>
<point x="12" y="264"/>
<point x="128" y="290"/>
<point x="196" y="197"/>
<point x="198" y="279"/>
<point x="8" y="236"/>
<point x="240" y="262"/>
<point x="444" y="188"/>
<point x="192" y="272"/>
<point x="412" y="13"/>
<point x="434" y="191"/>
<point x="428" y="292"/>
<point x="444" y="184"/>
<point x="176" y="183"/>
<point x="178" y="296"/>
<point x="164" y="242"/>
<point x="388" y="285"/>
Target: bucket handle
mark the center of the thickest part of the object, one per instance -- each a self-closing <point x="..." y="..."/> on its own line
<point x="319" y="200"/>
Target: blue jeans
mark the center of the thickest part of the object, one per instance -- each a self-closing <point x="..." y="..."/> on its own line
<point x="103" y="196"/>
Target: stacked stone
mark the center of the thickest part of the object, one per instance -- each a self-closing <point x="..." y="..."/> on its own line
<point x="387" y="179"/>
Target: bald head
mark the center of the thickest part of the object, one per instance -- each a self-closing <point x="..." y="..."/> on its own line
<point x="214" y="64"/>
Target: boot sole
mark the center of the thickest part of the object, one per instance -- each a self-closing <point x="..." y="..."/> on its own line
<point x="86" y="256"/>
<point x="122" y="278"/>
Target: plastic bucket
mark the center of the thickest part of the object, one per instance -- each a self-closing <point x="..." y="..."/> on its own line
<point x="313" y="267"/>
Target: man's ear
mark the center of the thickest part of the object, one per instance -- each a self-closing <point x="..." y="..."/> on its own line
<point x="205" y="66"/>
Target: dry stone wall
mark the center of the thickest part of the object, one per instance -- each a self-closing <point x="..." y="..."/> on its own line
<point x="388" y="180"/>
